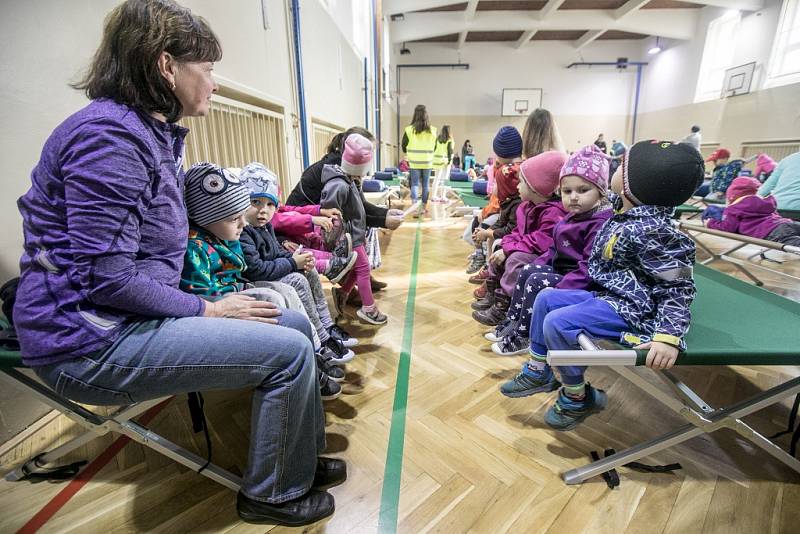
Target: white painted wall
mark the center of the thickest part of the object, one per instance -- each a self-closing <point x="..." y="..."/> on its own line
<point x="668" y="108"/>
<point x="585" y="101"/>
<point x="48" y="43"/>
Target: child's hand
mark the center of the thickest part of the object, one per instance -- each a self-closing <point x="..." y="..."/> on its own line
<point x="661" y="355"/>
<point x="325" y="222"/>
<point x="330" y="212"/>
<point x="482" y="235"/>
<point x="498" y="257"/>
<point x="705" y="222"/>
<point x="303" y="260"/>
<point x="291" y="246"/>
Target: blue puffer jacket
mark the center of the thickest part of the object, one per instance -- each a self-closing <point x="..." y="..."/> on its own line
<point x="644" y="266"/>
<point x="267" y="260"/>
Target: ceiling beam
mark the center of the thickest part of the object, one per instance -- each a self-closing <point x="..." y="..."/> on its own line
<point x="628" y="7"/>
<point x="462" y="38"/>
<point x="524" y="38"/>
<point x="743" y="5"/>
<point x="548" y="8"/>
<point x="588" y="37"/>
<point x="472" y="7"/>
<point x="665" y="23"/>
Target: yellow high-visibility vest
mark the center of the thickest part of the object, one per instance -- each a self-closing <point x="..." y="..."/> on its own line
<point x="420" y="147"/>
<point x="440" y="159"/>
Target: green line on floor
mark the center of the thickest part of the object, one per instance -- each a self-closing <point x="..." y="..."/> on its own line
<point x="390" y="494"/>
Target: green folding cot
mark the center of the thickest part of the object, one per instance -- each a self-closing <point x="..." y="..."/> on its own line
<point x="718" y="336"/>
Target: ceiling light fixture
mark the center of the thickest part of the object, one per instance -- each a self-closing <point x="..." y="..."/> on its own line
<point x="655" y="49"/>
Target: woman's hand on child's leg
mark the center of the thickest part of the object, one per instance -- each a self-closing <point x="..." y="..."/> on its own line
<point x="236" y="306"/>
<point x="660" y="355"/>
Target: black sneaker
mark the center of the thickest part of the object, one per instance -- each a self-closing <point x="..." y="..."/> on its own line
<point x="340" y="354"/>
<point x="328" y="389"/>
<point x="339" y="266"/>
<point x="344" y="246"/>
<point x="326" y="365"/>
<point x="343" y="336"/>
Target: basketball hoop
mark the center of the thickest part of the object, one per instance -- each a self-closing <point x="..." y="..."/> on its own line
<point x="401" y="95"/>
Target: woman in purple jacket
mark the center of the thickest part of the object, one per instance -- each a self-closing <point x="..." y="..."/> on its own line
<point x="583" y="186"/>
<point x="98" y="312"/>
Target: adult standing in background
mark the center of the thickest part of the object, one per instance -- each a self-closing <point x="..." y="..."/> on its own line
<point x="600" y="143"/>
<point x="442" y="160"/>
<point x="419" y="142"/>
<point x="99" y="314"/>
<point x="693" y="138"/>
<point x="784" y="183"/>
<point x="466" y="150"/>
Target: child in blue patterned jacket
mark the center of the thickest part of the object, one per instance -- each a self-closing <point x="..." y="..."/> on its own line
<point x="642" y="267"/>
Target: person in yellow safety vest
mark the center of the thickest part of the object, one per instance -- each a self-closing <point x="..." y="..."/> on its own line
<point x="442" y="161"/>
<point x="419" y="142"/>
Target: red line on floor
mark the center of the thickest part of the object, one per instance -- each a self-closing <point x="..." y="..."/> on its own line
<point x="49" y="510"/>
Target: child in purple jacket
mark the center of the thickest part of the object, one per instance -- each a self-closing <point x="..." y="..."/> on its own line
<point x="584" y="186"/>
<point x="532" y="236"/>
<point x="751" y="215"/>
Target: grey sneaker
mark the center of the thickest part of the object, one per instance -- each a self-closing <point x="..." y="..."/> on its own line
<point x="476" y="261"/>
<point x="326" y="365"/>
<point x="374" y="317"/>
<point x="328" y="389"/>
<point x="344" y="246"/>
<point x="339" y="266"/>
<point x="528" y="383"/>
<point x="566" y="413"/>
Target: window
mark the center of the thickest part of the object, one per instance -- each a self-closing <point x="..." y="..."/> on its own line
<point x="784" y="62"/>
<point x="717" y="55"/>
<point x="362" y="27"/>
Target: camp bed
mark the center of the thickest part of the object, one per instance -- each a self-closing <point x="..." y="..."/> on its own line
<point x="694" y="230"/>
<point x="718" y="336"/>
<point x="121" y="421"/>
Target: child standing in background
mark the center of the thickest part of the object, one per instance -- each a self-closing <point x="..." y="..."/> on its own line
<point x="642" y="266"/>
<point x="584" y="187"/>
<point x="537" y="216"/>
<point x="341" y="189"/>
<point x="751" y="215"/>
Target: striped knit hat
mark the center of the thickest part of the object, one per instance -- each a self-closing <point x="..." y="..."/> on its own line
<point x="213" y="194"/>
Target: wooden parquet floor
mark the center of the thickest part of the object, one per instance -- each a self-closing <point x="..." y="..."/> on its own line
<point x="474" y="461"/>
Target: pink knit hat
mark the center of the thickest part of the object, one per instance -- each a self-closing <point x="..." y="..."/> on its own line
<point x="765" y="163"/>
<point x="357" y="157"/>
<point x="590" y="164"/>
<point x="541" y="172"/>
<point x="741" y="187"/>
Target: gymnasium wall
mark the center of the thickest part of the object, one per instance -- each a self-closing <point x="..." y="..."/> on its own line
<point x="671" y="78"/>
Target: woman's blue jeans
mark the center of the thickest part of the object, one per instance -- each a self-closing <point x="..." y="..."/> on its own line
<point x="161" y="357"/>
<point x="414" y="176"/>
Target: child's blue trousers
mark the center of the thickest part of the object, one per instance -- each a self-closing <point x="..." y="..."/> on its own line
<point x="559" y="315"/>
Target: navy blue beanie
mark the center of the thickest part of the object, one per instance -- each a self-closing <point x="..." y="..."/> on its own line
<point x="507" y="143"/>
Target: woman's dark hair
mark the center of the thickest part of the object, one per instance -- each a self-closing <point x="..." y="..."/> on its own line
<point x="444" y="134"/>
<point x="420" y="120"/>
<point x="135" y="33"/>
<point x="539" y="134"/>
<point x="337" y="143"/>
<point x="695" y="128"/>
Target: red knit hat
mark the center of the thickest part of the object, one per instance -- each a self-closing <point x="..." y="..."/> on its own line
<point x="720" y="153"/>
<point x="541" y="173"/>
<point x="742" y="186"/>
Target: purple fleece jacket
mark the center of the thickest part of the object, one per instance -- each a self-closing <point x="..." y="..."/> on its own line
<point x="573" y="238"/>
<point x="752" y="215"/>
<point x="105" y="231"/>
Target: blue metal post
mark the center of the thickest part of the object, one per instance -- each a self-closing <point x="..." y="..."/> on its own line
<point x="301" y="95"/>
<point x="636" y="102"/>
<point x="376" y="63"/>
<point x="366" y="96"/>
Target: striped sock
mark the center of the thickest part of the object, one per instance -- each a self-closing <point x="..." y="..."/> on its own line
<point x="537" y="362"/>
<point x="575" y="391"/>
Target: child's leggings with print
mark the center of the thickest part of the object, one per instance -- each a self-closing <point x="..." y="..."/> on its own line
<point x="309" y="290"/>
<point x="360" y="276"/>
<point x="532" y="279"/>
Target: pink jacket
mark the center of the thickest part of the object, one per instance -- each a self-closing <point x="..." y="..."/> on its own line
<point x="535" y="224"/>
<point x="294" y="221"/>
<point x="765" y="164"/>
